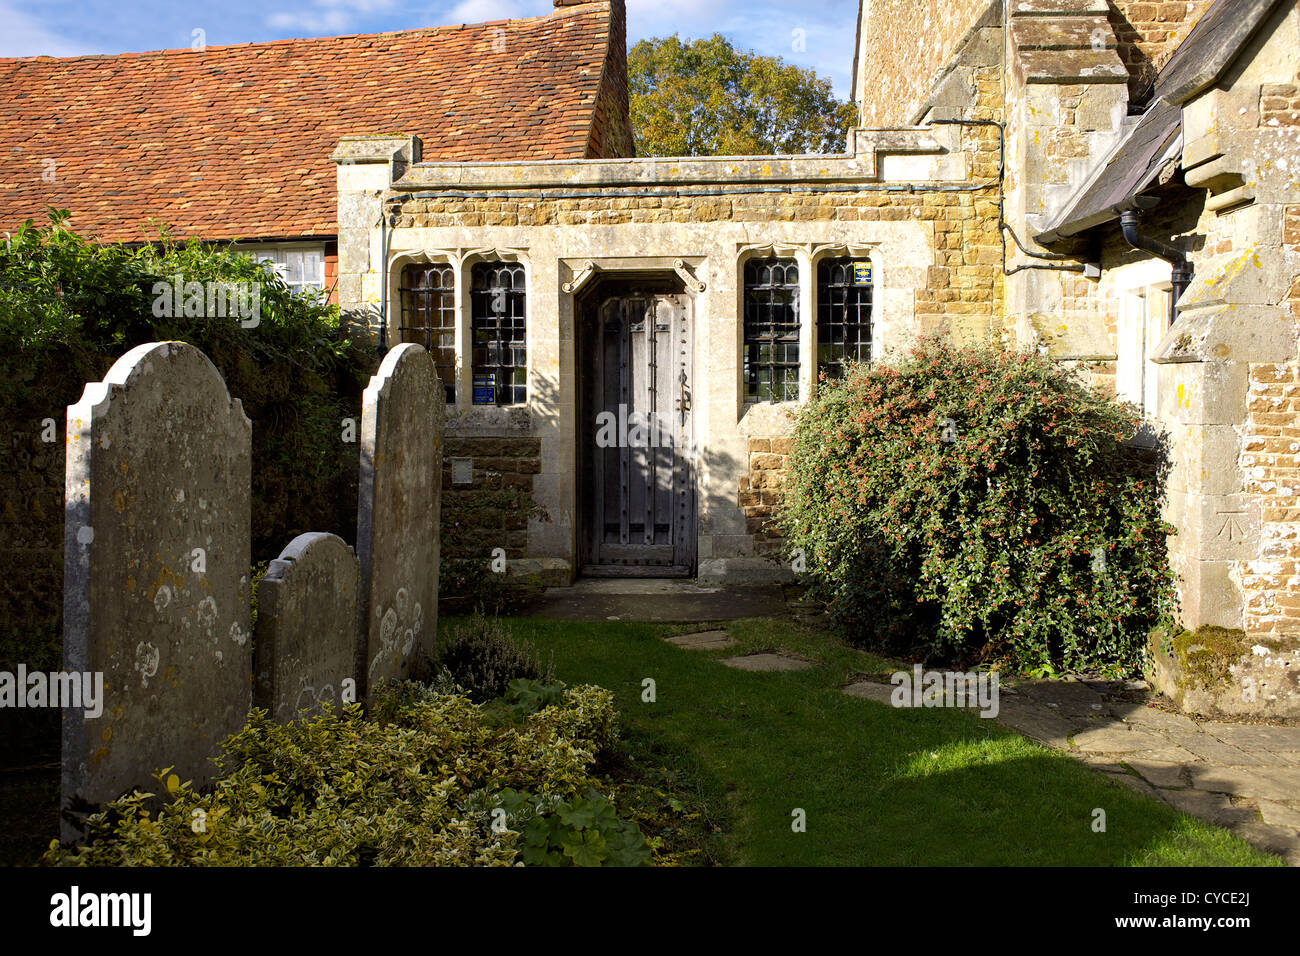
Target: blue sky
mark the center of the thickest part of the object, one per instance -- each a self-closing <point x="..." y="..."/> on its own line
<point x="72" y="27"/>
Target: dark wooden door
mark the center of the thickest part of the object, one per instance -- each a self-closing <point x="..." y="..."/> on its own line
<point x="640" y="477"/>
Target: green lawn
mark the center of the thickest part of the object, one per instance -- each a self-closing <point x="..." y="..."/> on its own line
<point x="878" y="785"/>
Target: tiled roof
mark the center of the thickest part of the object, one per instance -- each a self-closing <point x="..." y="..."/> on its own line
<point x="235" y="141"/>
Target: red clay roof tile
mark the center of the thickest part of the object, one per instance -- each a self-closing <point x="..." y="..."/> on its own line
<point x="234" y="141"/>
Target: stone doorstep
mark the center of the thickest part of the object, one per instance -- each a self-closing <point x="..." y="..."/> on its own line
<point x="1136" y="784"/>
<point x="767" y="662"/>
<point x="1038" y="724"/>
<point x="1056" y="692"/>
<point x="1159" y="773"/>
<point x="702" y="640"/>
<point x="1216" y="751"/>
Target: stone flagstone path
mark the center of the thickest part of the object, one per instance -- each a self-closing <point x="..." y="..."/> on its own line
<point x="1244" y="777"/>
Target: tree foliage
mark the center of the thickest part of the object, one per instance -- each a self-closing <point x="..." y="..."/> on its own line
<point x="706" y="98"/>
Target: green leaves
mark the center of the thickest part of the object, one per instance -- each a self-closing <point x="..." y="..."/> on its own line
<point x="418" y="783"/>
<point x="584" y="832"/>
<point x="705" y="98"/>
<point x="951" y="507"/>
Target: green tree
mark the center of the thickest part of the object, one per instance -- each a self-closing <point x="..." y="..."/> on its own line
<point x="706" y="98"/>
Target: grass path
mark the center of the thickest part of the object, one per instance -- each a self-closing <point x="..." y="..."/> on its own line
<point x="879" y="786"/>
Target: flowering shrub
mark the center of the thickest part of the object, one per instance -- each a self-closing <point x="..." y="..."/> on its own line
<point x="980" y="505"/>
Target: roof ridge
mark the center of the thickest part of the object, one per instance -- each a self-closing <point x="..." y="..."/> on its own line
<point x="557" y="14"/>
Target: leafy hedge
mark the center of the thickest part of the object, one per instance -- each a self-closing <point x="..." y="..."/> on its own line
<point x="980" y="505"/>
<point x="70" y="307"/>
<point x="432" y="779"/>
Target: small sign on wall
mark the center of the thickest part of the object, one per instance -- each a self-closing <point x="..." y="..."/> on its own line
<point x="862" y="273"/>
<point x="485" y="391"/>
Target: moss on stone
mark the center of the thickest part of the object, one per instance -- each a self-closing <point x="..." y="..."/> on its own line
<point x="1205" y="656"/>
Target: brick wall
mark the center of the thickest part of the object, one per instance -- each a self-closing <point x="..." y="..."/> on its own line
<point x="1149" y="31"/>
<point x="332" y="270"/>
<point x="1271" y="460"/>
<point x="611" y="126"/>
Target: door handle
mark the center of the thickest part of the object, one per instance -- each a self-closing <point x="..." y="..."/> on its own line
<point x="685" y="405"/>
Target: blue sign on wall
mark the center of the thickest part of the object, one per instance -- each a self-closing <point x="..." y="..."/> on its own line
<point x="485" y="391"/>
<point x="862" y="273"/>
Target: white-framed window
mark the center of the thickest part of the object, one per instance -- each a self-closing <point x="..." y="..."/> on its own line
<point x="302" y="267"/>
<point x="1143" y="320"/>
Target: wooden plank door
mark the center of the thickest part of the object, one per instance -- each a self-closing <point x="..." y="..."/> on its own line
<point x="642" y="513"/>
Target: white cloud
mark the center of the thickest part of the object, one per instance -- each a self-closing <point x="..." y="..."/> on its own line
<point x="481" y="11"/>
<point x="328" y="16"/>
<point x="24" y="35"/>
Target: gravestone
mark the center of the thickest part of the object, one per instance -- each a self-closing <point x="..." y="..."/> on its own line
<point x="398" y="511"/>
<point x="308" y="648"/>
<point x="156" y="565"/>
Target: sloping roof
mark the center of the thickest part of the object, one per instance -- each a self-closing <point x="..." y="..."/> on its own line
<point x="1135" y="164"/>
<point x="235" y="141"/>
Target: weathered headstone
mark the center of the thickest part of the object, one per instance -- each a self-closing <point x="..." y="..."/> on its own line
<point x="156" y="545"/>
<point x="308" y="645"/>
<point x="397" y="514"/>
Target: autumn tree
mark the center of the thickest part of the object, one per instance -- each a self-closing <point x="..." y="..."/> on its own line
<point x="706" y="98"/>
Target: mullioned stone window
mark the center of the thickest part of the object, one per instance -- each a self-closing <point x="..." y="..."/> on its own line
<point x="428" y="294"/>
<point x="771" y="330"/>
<point x="498" y="303"/>
<point x="843" y="314"/>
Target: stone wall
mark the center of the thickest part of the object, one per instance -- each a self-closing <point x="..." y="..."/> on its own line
<point x="919" y="203"/>
<point x="762" y="489"/>
<point x="474" y="521"/>
<point x="905" y="46"/>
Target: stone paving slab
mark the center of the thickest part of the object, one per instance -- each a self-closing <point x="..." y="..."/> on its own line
<point x="767" y="662"/>
<point x="1214" y="807"/>
<point x="1279" y="814"/>
<point x="702" y="640"/>
<point x="1255" y="737"/>
<point x="1159" y="773"/>
<point x="871" y="690"/>
<point x="1117" y="740"/>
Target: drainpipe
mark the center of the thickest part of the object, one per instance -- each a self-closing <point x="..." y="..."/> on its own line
<point x="1129" y="222"/>
<point x="384" y="239"/>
